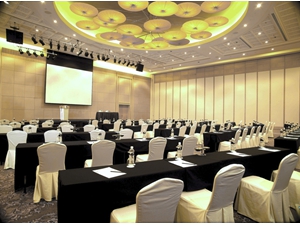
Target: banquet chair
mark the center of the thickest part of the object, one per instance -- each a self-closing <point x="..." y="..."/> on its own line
<point x="226" y="145"/>
<point x="102" y="153"/>
<point x="64" y="123"/>
<point x="116" y="126"/>
<point x="106" y="121"/>
<point x="271" y="133"/>
<point x="29" y="128"/>
<point x="155" y="203"/>
<point x="33" y="122"/>
<point x="4" y="122"/>
<point x="256" y="136"/>
<point x="5" y="129"/>
<point x="265" y="135"/>
<point x="15" y="124"/>
<point x="128" y="122"/>
<point x="192" y="131"/>
<point x="95" y="123"/>
<point x="241" y="143"/>
<point x="88" y="127"/>
<point x="216" y="206"/>
<point x="141" y="121"/>
<point x="51" y="135"/>
<point x="14" y="138"/>
<point x="265" y="201"/>
<point x="47" y="124"/>
<point x="182" y="131"/>
<point x="139" y="134"/>
<point x="169" y="124"/>
<point x="51" y="159"/>
<point x="150" y="133"/>
<point x="203" y="128"/>
<point x="162" y="122"/>
<point x="228" y="126"/>
<point x="178" y="124"/>
<point x="187" y="123"/>
<point x="156" y="150"/>
<point x="97" y="134"/>
<point x="262" y="132"/>
<point x="249" y="138"/>
<point x="67" y="128"/>
<point x="126" y="133"/>
<point x="188" y="147"/>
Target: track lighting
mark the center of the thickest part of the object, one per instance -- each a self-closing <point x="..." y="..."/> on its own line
<point x="91" y="55"/>
<point x="128" y="63"/>
<point x="65" y="47"/>
<point x="119" y="61"/>
<point x="98" y="57"/>
<point x="41" y="41"/>
<point x="132" y="64"/>
<point x="115" y="59"/>
<point x="58" y="46"/>
<point x="21" y="51"/>
<point x="42" y="54"/>
<point x="107" y="58"/>
<point x="79" y="53"/>
<point x="34" y="53"/>
<point x="50" y="44"/>
<point x="28" y="52"/>
<point x="72" y="49"/>
<point x="124" y="62"/>
<point x="34" y="40"/>
<point x="86" y="54"/>
<point x="103" y="57"/>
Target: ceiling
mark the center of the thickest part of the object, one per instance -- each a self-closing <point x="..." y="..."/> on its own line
<point x="273" y="29"/>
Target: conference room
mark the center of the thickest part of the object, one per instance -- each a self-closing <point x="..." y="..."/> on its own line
<point x="167" y="71"/>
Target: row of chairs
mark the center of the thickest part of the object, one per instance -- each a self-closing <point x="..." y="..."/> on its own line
<point x="257" y="198"/>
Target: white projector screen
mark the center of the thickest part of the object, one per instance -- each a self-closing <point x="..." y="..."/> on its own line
<point x="66" y="85"/>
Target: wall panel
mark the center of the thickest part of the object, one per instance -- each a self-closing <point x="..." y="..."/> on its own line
<point x="291" y="99"/>
<point x="169" y="103"/>
<point x="251" y="97"/>
<point x="162" y="100"/>
<point x="239" y="97"/>
<point x="192" y="99"/>
<point x="200" y="99"/>
<point x="219" y="99"/>
<point x="209" y="98"/>
<point x="263" y="98"/>
<point x="183" y="99"/>
<point x="277" y="97"/>
<point x="156" y="101"/>
<point x="228" y="97"/>
<point x="176" y="100"/>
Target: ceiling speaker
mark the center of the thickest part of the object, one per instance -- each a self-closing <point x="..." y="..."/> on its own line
<point x="139" y="67"/>
<point x="14" y="36"/>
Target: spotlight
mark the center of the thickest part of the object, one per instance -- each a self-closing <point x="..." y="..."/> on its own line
<point x="80" y="51"/>
<point x="42" y="54"/>
<point x="34" y="53"/>
<point x="34" y="40"/>
<point x="103" y="57"/>
<point x="72" y="49"/>
<point x="128" y="63"/>
<point x="98" y="57"/>
<point x="65" y="47"/>
<point x="86" y="54"/>
<point x="115" y="59"/>
<point x="119" y="61"/>
<point x="91" y="55"/>
<point x="28" y="52"/>
<point x="21" y="51"/>
<point x="41" y="41"/>
<point x="132" y="64"/>
<point x="50" y="44"/>
<point x="124" y="62"/>
<point x="58" y="46"/>
<point x="107" y="58"/>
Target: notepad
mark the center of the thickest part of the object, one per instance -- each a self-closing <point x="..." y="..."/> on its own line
<point x="268" y="149"/>
<point x="290" y="138"/>
<point x="91" y="142"/>
<point x="109" y="172"/>
<point x="238" y="154"/>
<point x="182" y="163"/>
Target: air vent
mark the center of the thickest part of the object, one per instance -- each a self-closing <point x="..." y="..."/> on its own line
<point x="276" y="21"/>
<point x="245" y="42"/>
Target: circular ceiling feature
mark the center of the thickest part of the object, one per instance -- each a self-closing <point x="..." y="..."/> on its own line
<point x="180" y="42"/>
<point x="144" y="46"/>
<point x="133" y="6"/>
<point x="194" y="26"/>
<point x="112" y="16"/>
<point x="157" y="25"/>
<point x="174" y="35"/>
<point x="102" y="23"/>
<point x="216" y="21"/>
<point x="163" y="8"/>
<point x="111" y="36"/>
<point x="133" y="40"/>
<point x="201" y="35"/>
<point x="129" y="29"/>
<point x="158" y="44"/>
<point x="87" y="25"/>
<point x="158" y="39"/>
<point x="83" y="9"/>
<point x="213" y="7"/>
<point x="188" y="9"/>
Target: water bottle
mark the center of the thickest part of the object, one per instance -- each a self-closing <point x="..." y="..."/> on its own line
<point x="130" y="160"/>
<point x="144" y="134"/>
<point x="179" y="152"/>
<point x="99" y="137"/>
<point x="172" y="133"/>
<point x="232" y="146"/>
<point x="261" y="142"/>
<point x="89" y="121"/>
<point x="100" y="120"/>
<point x="59" y="138"/>
<point x="281" y="133"/>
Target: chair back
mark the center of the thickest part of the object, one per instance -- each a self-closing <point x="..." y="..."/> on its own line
<point x="263" y="130"/>
<point x="88" y="127"/>
<point x="141" y="121"/>
<point x="33" y="122"/>
<point x="106" y="121"/>
<point x="95" y="123"/>
<point x="64" y="123"/>
<point x="162" y="122"/>
<point x="203" y="128"/>
<point x="117" y="125"/>
<point x="102" y="152"/>
<point x="30" y="128"/>
<point x="257" y="131"/>
<point x="156" y="148"/>
<point x="225" y="186"/>
<point x="193" y="129"/>
<point x="251" y="132"/>
<point x="155" y="126"/>
<point x="51" y="135"/>
<point x="16" y="137"/>
<point x="128" y="122"/>
<point x="4" y="122"/>
<point x="188" y="145"/>
<point x="15" y="124"/>
<point x="95" y="133"/>
<point x="228" y="126"/>
<point x="47" y="124"/>
<point x="178" y="124"/>
<point x="127" y="133"/>
<point x="237" y="135"/>
<point x="182" y="131"/>
<point x="5" y="129"/>
<point x="67" y="128"/>
<point x="157" y="202"/>
<point x="144" y="127"/>
<point x="245" y="131"/>
<point x="51" y="157"/>
<point x="285" y="170"/>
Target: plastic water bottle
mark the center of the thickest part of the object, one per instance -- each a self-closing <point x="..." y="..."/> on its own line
<point x="130" y="160"/>
<point x="179" y="152"/>
<point x="281" y="133"/>
<point x="172" y="132"/>
<point x="232" y="146"/>
<point x="261" y="142"/>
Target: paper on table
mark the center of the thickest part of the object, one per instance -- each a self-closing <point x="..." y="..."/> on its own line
<point x="141" y="139"/>
<point x="293" y="135"/>
<point x="173" y="138"/>
<point x="182" y="163"/>
<point x="268" y="149"/>
<point x="91" y="142"/>
<point x="109" y="172"/>
<point x="238" y="154"/>
<point x="290" y="138"/>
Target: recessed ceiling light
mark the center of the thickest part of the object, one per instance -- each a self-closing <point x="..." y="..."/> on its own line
<point x="55" y="21"/>
<point x="193" y="56"/>
<point x="244" y="54"/>
<point x="74" y="35"/>
<point x="234" y="48"/>
<point x="219" y="57"/>
<point x="209" y="53"/>
<point x="66" y="38"/>
<point x="225" y="38"/>
<point x="160" y="56"/>
<point x="259" y="33"/>
<point x="266" y="42"/>
<point x="146" y="51"/>
<point x="272" y="49"/>
<point x="245" y="25"/>
<point x="228" y="43"/>
<point x="199" y="46"/>
<point x="37" y="30"/>
<point x="258" y="5"/>
<point x="185" y="53"/>
<point x="122" y="49"/>
<point x="179" y="64"/>
<point x="172" y="60"/>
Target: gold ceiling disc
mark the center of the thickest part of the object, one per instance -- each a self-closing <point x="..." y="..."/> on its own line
<point x="213" y="7"/>
<point x="179" y="42"/>
<point x="174" y="35"/>
<point x="144" y="46"/>
<point x="188" y="9"/>
<point x="134" y="40"/>
<point x="83" y="9"/>
<point x="158" y="39"/>
<point x="158" y="44"/>
<point x="157" y="25"/>
<point x="87" y="25"/>
<point x="201" y="35"/>
<point x="194" y="26"/>
<point x="133" y="6"/>
<point x="163" y="8"/>
<point x="129" y="29"/>
<point x="111" y="35"/>
<point x="112" y="16"/>
<point x="216" y="21"/>
<point x="102" y="23"/>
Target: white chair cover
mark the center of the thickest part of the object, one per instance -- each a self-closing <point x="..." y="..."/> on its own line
<point x="106" y="121"/>
<point x="51" y="135"/>
<point x="156" y="150"/>
<point x="162" y="122"/>
<point x="139" y="134"/>
<point x="47" y="124"/>
<point x="5" y="129"/>
<point x="67" y="128"/>
<point x="15" y="124"/>
<point x="95" y="123"/>
<point x="256" y="136"/>
<point x="192" y="130"/>
<point x="116" y="126"/>
<point x="182" y="131"/>
<point x="94" y="134"/>
<point x="271" y="133"/>
<point x="4" y="122"/>
<point x="128" y="122"/>
<point x="102" y="153"/>
<point x="33" y="122"/>
<point x="127" y="133"/>
<point x="226" y="145"/>
<point x="298" y="164"/>
<point x="188" y="147"/>
<point x="178" y="124"/>
<point x="265" y="201"/>
<point x="228" y="126"/>
<point x="51" y="160"/>
<point x="155" y="203"/>
<point x="88" y="127"/>
<point x="249" y="138"/>
<point x="64" y="123"/>
<point x="241" y="143"/>
<point x="14" y="138"/>
<point x="150" y="133"/>
<point x="30" y="128"/>
<point x="203" y="206"/>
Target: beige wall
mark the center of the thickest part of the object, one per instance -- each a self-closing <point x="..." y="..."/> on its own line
<point x="264" y="90"/>
<point x="22" y="81"/>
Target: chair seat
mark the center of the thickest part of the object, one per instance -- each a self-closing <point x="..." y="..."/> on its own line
<point x="142" y="157"/>
<point x="88" y="163"/>
<point x="126" y="214"/>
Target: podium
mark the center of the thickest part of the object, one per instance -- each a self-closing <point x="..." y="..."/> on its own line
<point x="64" y="112"/>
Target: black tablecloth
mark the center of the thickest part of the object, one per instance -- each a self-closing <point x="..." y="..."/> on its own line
<point x="107" y="115"/>
<point x="291" y="142"/>
<point x="85" y="196"/>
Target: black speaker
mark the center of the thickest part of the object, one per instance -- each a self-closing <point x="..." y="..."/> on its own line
<point x="139" y="67"/>
<point x="14" y="36"/>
